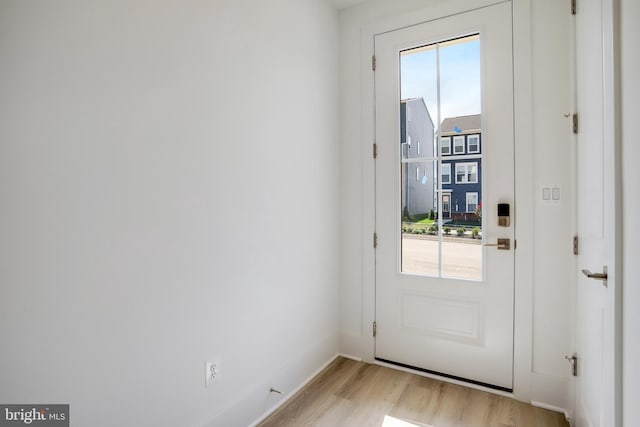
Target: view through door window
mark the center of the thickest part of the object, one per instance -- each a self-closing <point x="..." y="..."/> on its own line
<point x="441" y="159"/>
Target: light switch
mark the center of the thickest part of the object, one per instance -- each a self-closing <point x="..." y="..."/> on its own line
<point x="550" y="194"/>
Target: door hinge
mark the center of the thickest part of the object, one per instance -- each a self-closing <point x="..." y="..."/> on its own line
<point x="373" y="62"/>
<point x="375" y="240"/>
<point x="573" y="361"/>
<point x="375" y="150"/>
<point x="575" y="123"/>
<point x="573" y="6"/>
<point x="375" y="329"/>
<point x="575" y="245"/>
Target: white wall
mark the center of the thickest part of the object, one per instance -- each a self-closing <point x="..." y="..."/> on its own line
<point x="355" y="336"/>
<point x="554" y="225"/>
<point x="550" y="249"/>
<point x="169" y="188"/>
<point x="630" y="70"/>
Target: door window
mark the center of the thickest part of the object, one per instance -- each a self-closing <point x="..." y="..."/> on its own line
<point x="440" y="90"/>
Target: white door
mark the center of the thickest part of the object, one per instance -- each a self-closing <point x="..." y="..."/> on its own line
<point x="444" y="126"/>
<point x="596" y="346"/>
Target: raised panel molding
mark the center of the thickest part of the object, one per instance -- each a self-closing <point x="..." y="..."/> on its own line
<point x="448" y="319"/>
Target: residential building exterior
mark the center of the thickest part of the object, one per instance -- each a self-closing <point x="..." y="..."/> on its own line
<point x="417" y="143"/>
<point x="461" y="153"/>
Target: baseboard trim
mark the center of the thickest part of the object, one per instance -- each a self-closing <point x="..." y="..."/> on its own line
<point x="297" y="389"/>
<point x="553" y="408"/>
<point x="348" y="356"/>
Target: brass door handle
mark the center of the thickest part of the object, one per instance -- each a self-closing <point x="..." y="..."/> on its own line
<point x="604" y="276"/>
<point x="503" y="244"/>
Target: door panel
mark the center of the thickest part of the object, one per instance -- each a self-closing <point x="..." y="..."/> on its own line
<point x="444" y="302"/>
<point x="596" y="388"/>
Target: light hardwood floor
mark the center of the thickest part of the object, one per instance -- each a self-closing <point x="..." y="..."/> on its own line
<point x="356" y="394"/>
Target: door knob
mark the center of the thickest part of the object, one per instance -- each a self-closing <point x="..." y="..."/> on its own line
<point x="604" y="276"/>
<point x="503" y="244"/>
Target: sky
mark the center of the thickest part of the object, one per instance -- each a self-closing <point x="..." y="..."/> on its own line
<point x="459" y="78"/>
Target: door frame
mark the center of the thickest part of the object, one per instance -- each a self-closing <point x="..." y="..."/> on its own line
<point x="447" y="195"/>
<point x="523" y="145"/>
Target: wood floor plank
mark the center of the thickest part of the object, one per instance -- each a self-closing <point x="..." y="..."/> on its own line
<point x="318" y="399"/>
<point x="356" y="394"/>
<point x="374" y="402"/>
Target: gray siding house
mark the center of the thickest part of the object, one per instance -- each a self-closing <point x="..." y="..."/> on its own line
<point x="417" y="145"/>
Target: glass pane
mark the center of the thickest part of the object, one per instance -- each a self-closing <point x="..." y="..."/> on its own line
<point x="419" y="225"/>
<point x="460" y="95"/>
<point x="441" y="165"/>
<point x="418" y="121"/>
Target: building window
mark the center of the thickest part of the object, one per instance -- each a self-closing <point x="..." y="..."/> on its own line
<point x="466" y="173"/>
<point x="472" y="202"/>
<point x="445" y="145"/>
<point x="458" y="145"/>
<point x="446" y="173"/>
<point x="473" y="144"/>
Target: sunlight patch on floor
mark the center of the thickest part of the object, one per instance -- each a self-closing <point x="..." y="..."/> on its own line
<point x="395" y="422"/>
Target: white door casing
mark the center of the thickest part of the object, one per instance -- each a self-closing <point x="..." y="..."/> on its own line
<point x="457" y="327"/>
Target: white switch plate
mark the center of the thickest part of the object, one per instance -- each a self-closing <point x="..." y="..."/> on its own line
<point x="550" y="194"/>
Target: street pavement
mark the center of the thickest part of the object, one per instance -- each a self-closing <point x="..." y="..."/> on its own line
<point x="461" y="257"/>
